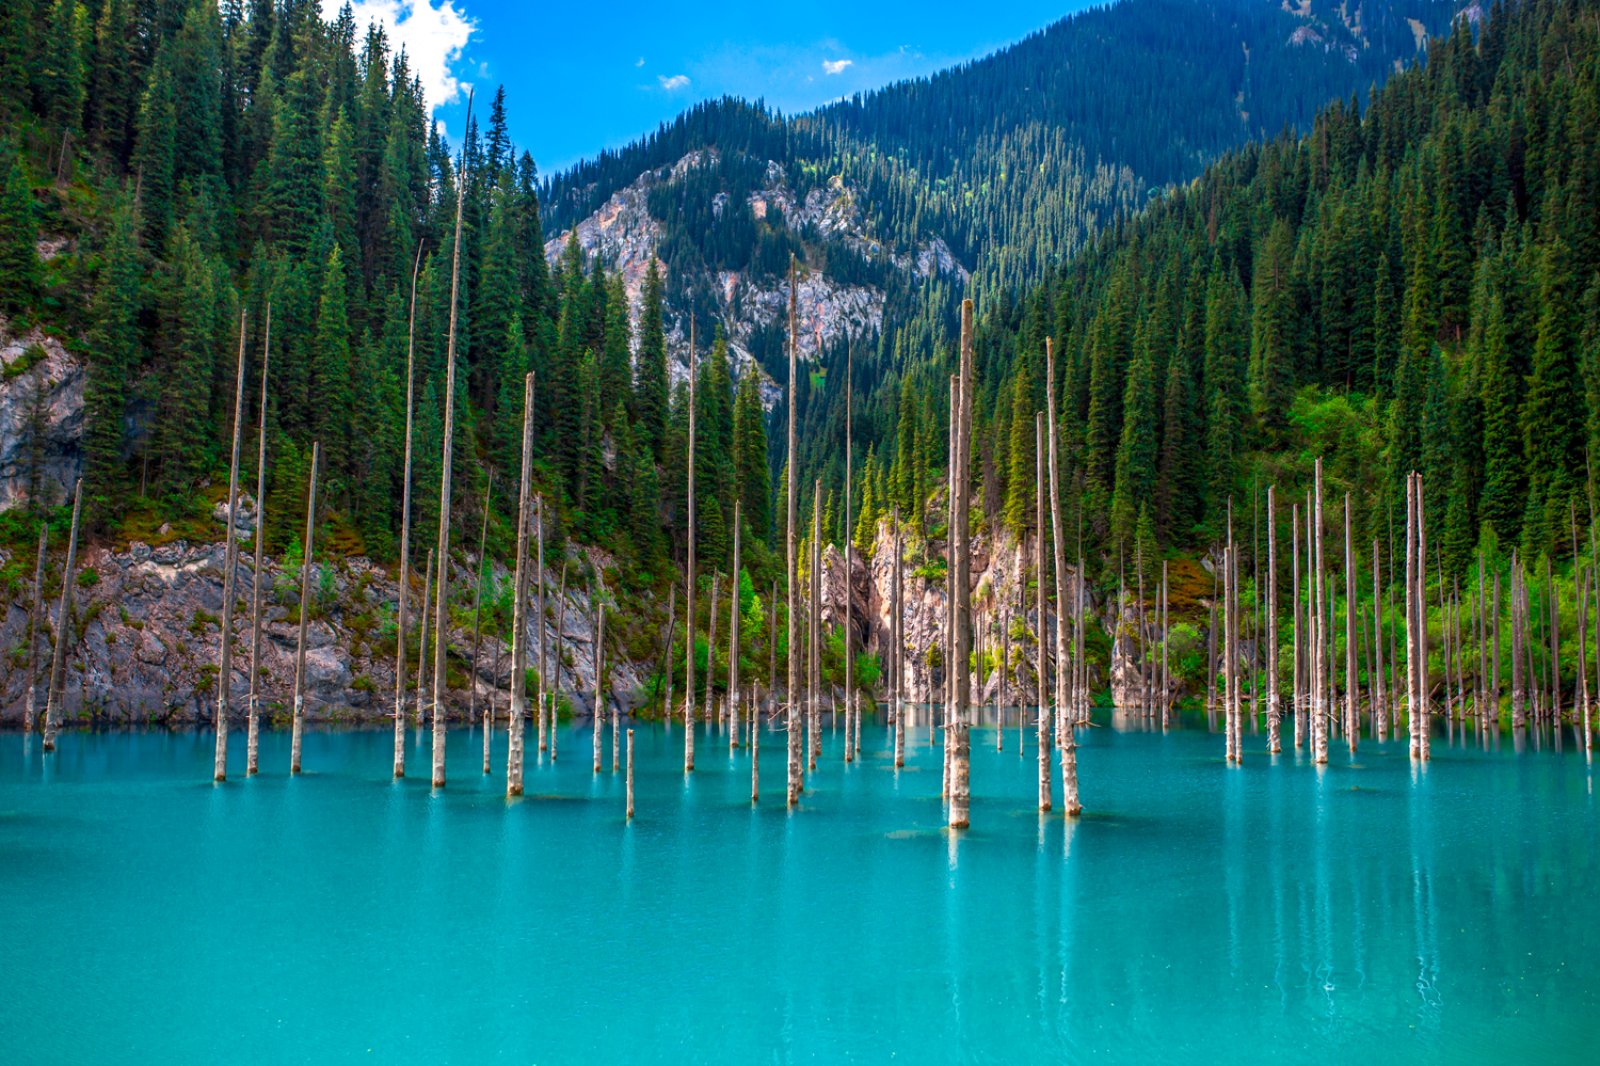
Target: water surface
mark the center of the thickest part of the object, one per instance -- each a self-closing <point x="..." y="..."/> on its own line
<point x="1195" y="913"/>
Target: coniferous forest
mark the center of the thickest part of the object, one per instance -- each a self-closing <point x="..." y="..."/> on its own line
<point x="1186" y="367"/>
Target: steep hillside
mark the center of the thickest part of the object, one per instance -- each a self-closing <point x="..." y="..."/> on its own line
<point x="998" y="168"/>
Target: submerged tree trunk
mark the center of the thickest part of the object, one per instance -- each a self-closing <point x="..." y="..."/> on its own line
<point x="688" y="581"/>
<point x="405" y="529"/>
<point x="253" y="728"/>
<point x="35" y="613"/>
<point x="1274" y="707"/>
<point x="961" y="584"/>
<point x="1066" y="738"/>
<point x="630" y="774"/>
<point x="733" y="635"/>
<point x="849" y="574"/>
<point x="1042" y="654"/>
<point x="441" y="620"/>
<point x="553" y="690"/>
<point x="795" y="779"/>
<point x="517" y="704"/>
<point x="298" y="728"/>
<point x="897" y="650"/>
<point x="1352" y="710"/>
<point x="1297" y="682"/>
<point x="1380" y="711"/>
<point x="422" y="650"/>
<point x="53" y="708"/>
<point x="814" y="644"/>
<point x="543" y="695"/>
<point x="230" y="568"/>
<point x="1423" y="726"/>
<point x="599" y="697"/>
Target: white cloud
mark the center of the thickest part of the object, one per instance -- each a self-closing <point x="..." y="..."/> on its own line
<point x="639" y="62"/>
<point x="431" y="32"/>
<point x="677" y="81"/>
<point x="836" y="66"/>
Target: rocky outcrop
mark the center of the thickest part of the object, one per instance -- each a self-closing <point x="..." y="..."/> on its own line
<point x="41" y="416"/>
<point x="146" y="637"/>
<point x="622" y="234"/>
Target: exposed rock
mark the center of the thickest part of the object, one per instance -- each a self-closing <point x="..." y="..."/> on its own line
<point x="50" y="392"/>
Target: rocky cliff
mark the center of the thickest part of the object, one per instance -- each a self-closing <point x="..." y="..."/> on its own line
<point x="146" y="636"/>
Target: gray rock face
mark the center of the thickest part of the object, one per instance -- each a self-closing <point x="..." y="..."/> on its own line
<point x="49" y="394"/>
<point x="146" y="640"/>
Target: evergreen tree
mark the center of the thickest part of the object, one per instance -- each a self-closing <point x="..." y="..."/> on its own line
<point x="19" y="262"/>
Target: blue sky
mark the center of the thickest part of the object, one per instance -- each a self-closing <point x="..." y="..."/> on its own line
<point x="580" y="77"/>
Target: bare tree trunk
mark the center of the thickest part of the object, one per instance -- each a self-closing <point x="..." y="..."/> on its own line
<point x="1554" y="713"/>
<point x="1320" y="709"/>
<point x="230" y="568"/>
<point x="441" y="622"/>
<point x="53" y="702"/>
<point x="1423" y="730"/>
<point x="672" y="625"/>
<point x="796" y="781"/>
<point x="35" y="613"/>
<point x="630" y="773"/>
<point x="689" y="576"/>
<point x="733" y="635"/>
<point x="1380" y="710"/>
<point x="544" y="694"/>
<point x="1494" y="663"/>
<point x="422" y="650"/>
<point x="961" y="585"/>
<point x="951" y="452"/>
<point x="1480" y="617"/>
<point x="1042" y="671"/>
<point x="1230" y="643"/>
<point x="253" y="734"/>
<point x="305" y="613"/>
<point x="405" y="530"/>
<point x="1352" y="709"/>
<point x="477" y="631"/>
<point x="599" y="691"/>
<point x="1297" y="690"/>
<point x="711" y="655"/>
<point x="517" y="704"/>
<point x="850" y="746"/>
<point x="1066" y="739"/>
<point x="814" y="644"/>
<point x="898" y="648"/>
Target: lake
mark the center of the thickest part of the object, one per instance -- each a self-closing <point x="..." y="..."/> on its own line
<point x="1368" y="910"/>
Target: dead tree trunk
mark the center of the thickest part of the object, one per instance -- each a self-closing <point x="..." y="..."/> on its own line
<point x="961" y="585"/>
<point x="1320" y="708"/>
<point x="630" y="774"/>
<point x="1274" y="709"/>
<point x="1380" y="711"/>
<point x="1296" y="686"/>
<point x="53" y="705"/>
<point x="795" y="779"/>
<point x="517" y="704"/>
<point x="814" y="644"/>
<point x="733" y="636"/>
<point x="850" y="747"/>
<point x="544" y="696"/>
<point x="1066" y="739"/>
<point x="1352" y="709"/>
<point x="441" y="620"/>
<point x="36" y="612"/>
<point x="422" y="650"/>
<point x="298" y="728"/>
<point x="405" y="530"/>
<point x="230" y="568"/>
<point x="898" y="646"/>
<point x="1041" y="673"/>
<point x="599" y="695"/>
<point x="253" y="728"/>
<point x="689" y="578"/>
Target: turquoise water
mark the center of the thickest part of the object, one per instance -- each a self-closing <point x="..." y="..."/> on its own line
<point x="1196" y="913"/>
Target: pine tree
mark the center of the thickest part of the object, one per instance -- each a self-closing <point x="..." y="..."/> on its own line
<point x="19" y="262"/>
<point x="332" y="390"/>
<point x="184" y="440"/>
<point x="113" y="352"/>
<point x="1552" y="423"/>
<point x="751" y="464"/>
<point x="1020" y="478"/>
<point x="650" y="376"/>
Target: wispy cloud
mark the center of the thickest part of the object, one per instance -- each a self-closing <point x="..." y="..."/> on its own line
<point x="431" y="32"/>
<point x="639" y="62"/>
<point x="836" y="66"/>
<point x="677" y="81"/>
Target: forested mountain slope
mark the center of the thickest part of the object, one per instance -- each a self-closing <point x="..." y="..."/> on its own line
<point x="1412" y="287"/>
